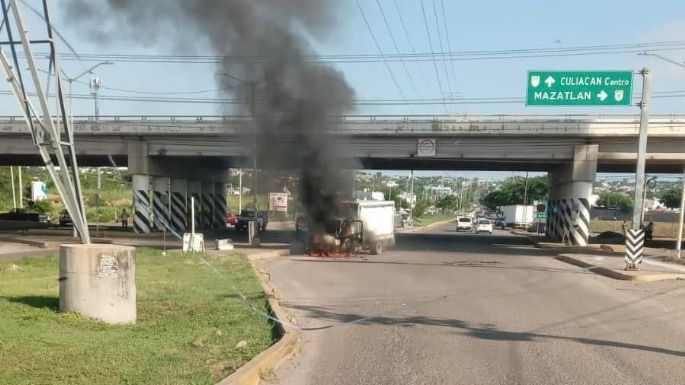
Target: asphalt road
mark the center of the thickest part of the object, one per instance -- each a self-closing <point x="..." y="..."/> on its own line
<point x="448" y="308"/>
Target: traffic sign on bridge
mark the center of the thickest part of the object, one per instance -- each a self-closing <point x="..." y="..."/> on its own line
<point x="579" y="88"/>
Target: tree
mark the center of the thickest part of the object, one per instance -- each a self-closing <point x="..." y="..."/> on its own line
<point x="419" y="209"/>
<point x="495" y="199"/>
<point x="671" y="197"/>
<point x="617" y="200"/>
<point x="513" y="191"/>
<point x="448" y="202"/>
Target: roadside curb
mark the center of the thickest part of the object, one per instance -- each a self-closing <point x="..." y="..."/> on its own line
<point x="42" y="245"/>
<point x="615" y="274"/>
<point x="564" y="248"/>
<point x="252" y="373"/>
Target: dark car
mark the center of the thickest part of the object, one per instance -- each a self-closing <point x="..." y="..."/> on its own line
<point x="249" y="215"/>
<point x="65" y="218"/>
<point x="20" y="214"/>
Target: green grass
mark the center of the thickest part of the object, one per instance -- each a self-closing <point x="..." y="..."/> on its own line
<point x="661" y="229"/>
<point x="428" y="219"/>
<point x="189" y="322"/>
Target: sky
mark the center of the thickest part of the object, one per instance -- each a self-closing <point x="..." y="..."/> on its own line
<point x="462" y="27"/>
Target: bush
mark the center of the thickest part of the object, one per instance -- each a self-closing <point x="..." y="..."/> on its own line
<point x="43" y="206"/>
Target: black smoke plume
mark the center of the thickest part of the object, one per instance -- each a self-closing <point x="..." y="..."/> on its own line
<point x="264" y="43"/>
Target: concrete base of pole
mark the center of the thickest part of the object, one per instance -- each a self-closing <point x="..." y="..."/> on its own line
<point x="98" y="281"/>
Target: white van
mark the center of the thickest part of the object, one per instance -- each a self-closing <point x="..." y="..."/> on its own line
<point x="464" y="223"/>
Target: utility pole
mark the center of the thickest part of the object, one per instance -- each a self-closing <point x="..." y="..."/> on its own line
<point x="411" y="197"/>
<point x="253" y="90"/>
<point x="642" y="148"/>
<point x="525" y="201"/>
<point x="95" y="84"/>
<point x="253" y="115"/>
<point x="14" y="191"/>
<point x="240" y="195"/>
<point x="636" y="237"/>
<point x="21" y="190"/>
<point x="681" y="218"/>
<point x="682" y="200"/>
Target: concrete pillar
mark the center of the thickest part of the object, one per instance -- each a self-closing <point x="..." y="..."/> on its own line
<point x="141" y="203"/>
<point x="207" y="221"/>
<point x="178" y="205"/>
<point x="160" y="202"/>
<point x="98" y="281"/>
<point x="220" y="204"/>
<point x="194" y="190"/>
<point x="570" y="188"/>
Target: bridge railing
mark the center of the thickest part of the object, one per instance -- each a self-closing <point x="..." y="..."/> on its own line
<point x="378" y="118"/>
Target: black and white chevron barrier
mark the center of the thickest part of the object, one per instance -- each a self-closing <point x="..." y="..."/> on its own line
<point x="141" y="203"/>
<point x="635" y="242"/>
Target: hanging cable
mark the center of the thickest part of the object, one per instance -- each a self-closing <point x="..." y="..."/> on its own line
<point x="435" y="65"/>
<point x="380" y="51"/>
<point x="397" y="49"/>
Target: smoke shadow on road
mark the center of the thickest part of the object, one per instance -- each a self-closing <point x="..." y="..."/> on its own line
<point x="483" y="332"/>
<point x="457" y="264"/>
<point x="492" y="244"/>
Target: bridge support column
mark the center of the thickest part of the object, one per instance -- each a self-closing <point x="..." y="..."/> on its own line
<point x="160" y="202"/>
<point x="178" y="205"/>
<point x="570" y="188"/>
<point x="220" y="204"/>
<point x="207" y="219"/>
<point x="194" y="191"/>
<point x="141" y="204"/>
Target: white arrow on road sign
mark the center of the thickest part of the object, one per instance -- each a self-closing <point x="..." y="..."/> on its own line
<point x="602" y="95"/>
<point x="550" y="81"/>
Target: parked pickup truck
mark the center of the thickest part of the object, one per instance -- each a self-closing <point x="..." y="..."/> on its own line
<point x="24" y="215"/>
<point x="248" y="215"/>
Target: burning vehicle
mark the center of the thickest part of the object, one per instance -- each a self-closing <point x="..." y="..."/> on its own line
<point x="366" y="225"/>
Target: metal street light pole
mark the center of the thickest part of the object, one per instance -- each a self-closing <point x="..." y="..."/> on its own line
<point x="253" y="115"/>
<point x="682" y="200"/>
<point x="21" y="190"/>
<point x="662" y="58"/>
<point x="71" y="80"/>
<point x="642" y="148"/>
<point x="240" y="195"/>
<point x="681" y="217"/>
<point x="14" y="192"/>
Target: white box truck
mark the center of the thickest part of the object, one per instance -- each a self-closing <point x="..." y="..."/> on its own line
<point x="378" y="219"/>
<point x="518" y="215"/>
<point x="364" y="225"/>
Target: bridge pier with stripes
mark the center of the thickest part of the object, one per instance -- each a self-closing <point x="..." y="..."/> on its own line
<point x="570" y="188"/>
<point x="161" y="202"/>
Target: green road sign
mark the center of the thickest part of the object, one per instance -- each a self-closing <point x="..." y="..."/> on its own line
<point x="579" y="88"/>
<point x="542" y="215"/>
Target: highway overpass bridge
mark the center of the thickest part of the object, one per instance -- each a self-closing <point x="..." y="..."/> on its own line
<point x="188" y="155"/>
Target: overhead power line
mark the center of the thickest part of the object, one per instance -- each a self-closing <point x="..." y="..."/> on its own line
<point x="524" y="53"/>
<point x="430" y="44"/>
<point x="449" y="48"/>
<point x="359" y="102"/>
<point x="404" y="27"/>
<point x="397" y="49"/>
<point x="380" y="51"/>
<point x="444" y="63"/>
